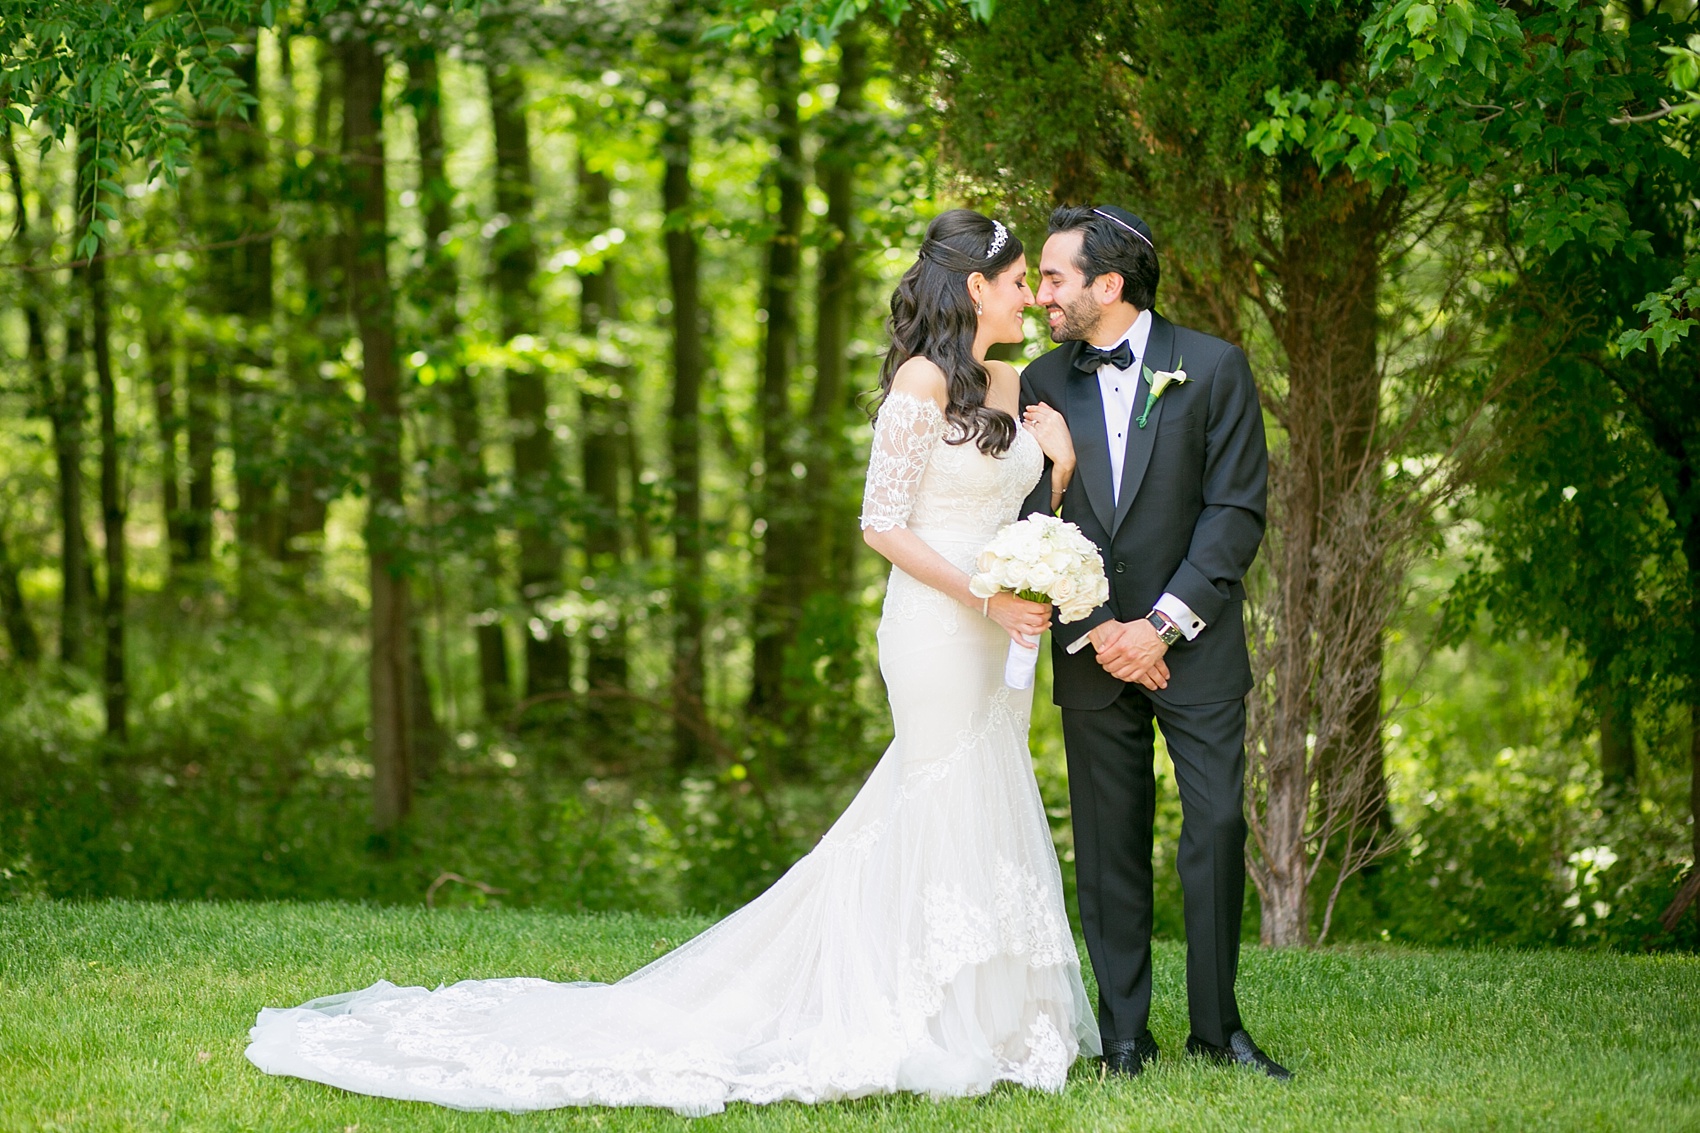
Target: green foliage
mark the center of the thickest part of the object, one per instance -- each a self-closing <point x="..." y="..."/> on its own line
<point x="249" y="779"/>
<point x="1515" y="854"/>
<point x="1580" y="475"/>
<point x="1511" y="835"/>
<point x="1537" y="101"/>
<point x="1671" y="314"/>
<point x="116" y="74"/>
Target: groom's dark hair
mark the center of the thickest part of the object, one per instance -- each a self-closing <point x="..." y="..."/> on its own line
<point x="1113" y="239"/>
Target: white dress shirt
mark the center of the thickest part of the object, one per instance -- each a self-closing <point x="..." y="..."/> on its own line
<point x="1120" y="394"/>
<point x="1120" y="390"/>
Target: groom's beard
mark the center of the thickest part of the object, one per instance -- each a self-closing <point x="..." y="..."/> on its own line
<point x="1080" y="321"/>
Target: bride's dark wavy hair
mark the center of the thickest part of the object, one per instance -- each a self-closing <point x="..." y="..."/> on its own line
<point x="932" y="316"/>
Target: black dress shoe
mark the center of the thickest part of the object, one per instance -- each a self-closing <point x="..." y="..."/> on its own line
<point x="1127" y="1057"/>
<point x="1240" y="1051"/>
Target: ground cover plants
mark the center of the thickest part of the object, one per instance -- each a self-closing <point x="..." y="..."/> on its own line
<point x="119" y="1015"/>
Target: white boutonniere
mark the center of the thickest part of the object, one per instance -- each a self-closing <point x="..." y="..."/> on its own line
<point x="1160" y="380"/>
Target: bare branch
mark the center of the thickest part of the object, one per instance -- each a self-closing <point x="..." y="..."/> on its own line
<point x="1631" y="119"/>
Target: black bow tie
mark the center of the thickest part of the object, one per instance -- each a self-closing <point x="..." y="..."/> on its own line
<point x="1121" y="357"/>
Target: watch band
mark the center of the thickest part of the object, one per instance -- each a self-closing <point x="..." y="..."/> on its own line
<point x="1167" y="631"/>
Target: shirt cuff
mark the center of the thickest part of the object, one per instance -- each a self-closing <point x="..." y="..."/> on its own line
<point x="1079" y="643"/>
<point x="1181" y="614"/>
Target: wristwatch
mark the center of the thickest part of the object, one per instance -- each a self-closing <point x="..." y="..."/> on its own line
<point x="1167" y="631"/>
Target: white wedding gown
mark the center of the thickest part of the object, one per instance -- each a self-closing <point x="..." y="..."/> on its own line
<point x="922" y="945"/>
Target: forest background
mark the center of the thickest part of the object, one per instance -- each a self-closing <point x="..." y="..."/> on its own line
<point x="432" y="437"/>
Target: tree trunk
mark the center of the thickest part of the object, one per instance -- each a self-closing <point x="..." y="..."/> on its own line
<point x="428" y="738"/>
<point x="1694" y="790"/>
<point x="62" y="401"/>
<point x="366" y="228"/>
<point x="1691" y="551"/>
<point x="70" y="413"/>
<point x="201" y="422"/>
<point x="778" y="606"/>
<point x="162" y="377"/>
<point x="111" y="499"/>
<point x="830" y="627"/>
<point x="690" y="362"/>
<point x="1615" y="703"/>
<point x="316" y="332"/>
<point x="234" y="292"/>
<point x="442" y="287"/>
<point x="20" y="631"/>
<point x="537" y="487"/>
<point x="1322" y="740"/>
<point x="600" y="400"/>
<point x="835" y="302"/>
<point x="242" y="279"/>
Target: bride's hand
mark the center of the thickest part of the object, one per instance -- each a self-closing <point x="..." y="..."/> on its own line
<point x="1020" y="618"/>
<point x="1051" y="431"/>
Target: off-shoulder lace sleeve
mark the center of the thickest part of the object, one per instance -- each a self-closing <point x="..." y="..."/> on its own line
<point x="904" y="436"/>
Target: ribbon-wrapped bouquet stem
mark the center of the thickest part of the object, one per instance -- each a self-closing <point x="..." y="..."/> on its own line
<point x="1042" y="559"/>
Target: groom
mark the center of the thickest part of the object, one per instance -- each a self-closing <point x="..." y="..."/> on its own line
<point x="1172" y="492"/>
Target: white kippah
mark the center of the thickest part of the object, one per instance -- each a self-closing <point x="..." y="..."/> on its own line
<point x="1000" y="237"/>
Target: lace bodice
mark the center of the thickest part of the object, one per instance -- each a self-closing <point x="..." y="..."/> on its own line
<point x="917" y="480"/>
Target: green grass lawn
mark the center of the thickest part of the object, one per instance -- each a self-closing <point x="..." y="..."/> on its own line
<point x="133" y="1016"/>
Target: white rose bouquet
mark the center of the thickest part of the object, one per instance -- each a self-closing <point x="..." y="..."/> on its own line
<point x="1042" y="559"/>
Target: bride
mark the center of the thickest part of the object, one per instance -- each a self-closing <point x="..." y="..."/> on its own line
<point x="922" y="945"/>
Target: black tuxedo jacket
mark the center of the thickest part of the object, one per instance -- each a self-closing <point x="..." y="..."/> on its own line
<point x="1191" y="512"/>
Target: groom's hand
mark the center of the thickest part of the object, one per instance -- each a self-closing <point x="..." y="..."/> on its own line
<point x="1131" y="651"/>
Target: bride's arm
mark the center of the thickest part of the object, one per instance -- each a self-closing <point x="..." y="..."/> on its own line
<point x="910" y="424"/>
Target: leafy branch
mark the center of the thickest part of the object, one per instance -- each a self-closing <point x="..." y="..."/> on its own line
<point x="1671" y="314"/>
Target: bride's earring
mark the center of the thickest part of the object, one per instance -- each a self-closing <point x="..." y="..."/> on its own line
<point x="977" y="307"/>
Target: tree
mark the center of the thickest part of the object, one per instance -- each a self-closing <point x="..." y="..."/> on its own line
<point x="366" y="234"/>
<point x="317" y="327"/>
<point x="601" y="400"/>
<point x="162" y="378"/>
<point x="778" y="603"/>
<point x="62" y="401"/>
<point x="690" y="362"/>
<point x="93" y="274"/>
<point x="836" y="300"/>
<point x="825" y="653"/>
<point x="1560" y="114"/>
<point x="537" y="479"/>
<point x="439" y="294"/>
<point x="20" y="630"/>
<point x="232" y="353"/>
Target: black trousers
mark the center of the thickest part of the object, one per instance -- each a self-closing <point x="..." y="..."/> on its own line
<point x="1113" y="791"/>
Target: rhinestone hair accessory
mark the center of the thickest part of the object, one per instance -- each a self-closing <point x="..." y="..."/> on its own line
<point x="1000" y="237"/>
<point x="1126" y="225"/>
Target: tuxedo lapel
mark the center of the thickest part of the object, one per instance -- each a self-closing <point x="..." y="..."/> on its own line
<point x="1159" y="355"/>
<point x="1085" y="413"/>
